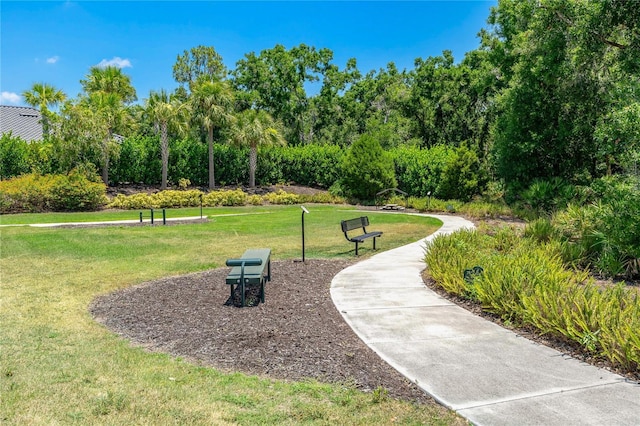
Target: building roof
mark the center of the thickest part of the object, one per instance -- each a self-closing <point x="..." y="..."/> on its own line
<point x="24" y="122"/>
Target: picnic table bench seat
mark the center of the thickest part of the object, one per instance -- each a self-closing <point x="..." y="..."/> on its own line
<point x="253" y="268"/>
<point x="359" y="223"/>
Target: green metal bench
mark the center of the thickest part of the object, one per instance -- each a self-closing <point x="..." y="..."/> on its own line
<point x="253" y="268"/>
<point x="359" y="223"/>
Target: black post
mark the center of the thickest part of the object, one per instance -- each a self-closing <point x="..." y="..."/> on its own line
<point x="303" y="237"/>
<point x="304" y="210"/>
<point x="200" y="206"/>
<point x="140" y="217"/>
<point x="164" y="217"/>
<point x="152" y="216"/>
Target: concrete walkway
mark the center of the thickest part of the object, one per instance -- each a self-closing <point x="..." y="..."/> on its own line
<point x="489" y="375"/>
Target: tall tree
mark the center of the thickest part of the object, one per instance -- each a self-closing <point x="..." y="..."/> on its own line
<point x="567" y="63"/>
<point x="109" y="79"/>
<point x="212" y="105"/>
<point x="44" y="96"/>
<point x="166" y="111"/>
<point x="330" y="113"/>
<point x="107" y="90"/>
<point x="198" y="63"/>
<point x="255" y="128"/>
<point x="275" y="80"/>
<point x="113" y="117"/>
<point x="80" y="138"/>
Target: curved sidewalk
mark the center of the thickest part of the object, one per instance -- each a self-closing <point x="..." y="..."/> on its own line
<point x="489" y="375"/>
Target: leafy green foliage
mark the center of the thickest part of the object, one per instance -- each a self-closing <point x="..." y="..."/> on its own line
<point x="463" y="176"/>
<point x="367" y="169"/>
<point x="525" y="282"/>
<point x="309" y="165"/>
<point x="14" y="156"/>
<point x="545" y="196"/>
<point x="198" y="63"/>
<point x="605" y="234"/>
<point x="419" y="170"/>
<point x="235" y="197"/>
<point x="561" y="116"/>
<point x="76" y="191"/>
<point x="139" y="161"/>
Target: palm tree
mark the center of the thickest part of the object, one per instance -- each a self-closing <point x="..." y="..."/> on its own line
<point x="166" y="111"/>
<point x="108" y="89"/>
<point x="109" y="80"/>
<point x="43" y="96"/>
<point x="254" y="129"/>
<point x="111" y="114"/>
<point x="212" y="102"/>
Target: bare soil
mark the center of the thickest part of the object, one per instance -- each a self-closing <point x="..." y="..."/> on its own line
<point x="296" y="334"/>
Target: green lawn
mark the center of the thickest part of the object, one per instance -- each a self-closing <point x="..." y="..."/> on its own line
<point x="58" y="366"/>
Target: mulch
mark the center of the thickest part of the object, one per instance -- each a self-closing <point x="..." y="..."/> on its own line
<point x="296" y="334"/>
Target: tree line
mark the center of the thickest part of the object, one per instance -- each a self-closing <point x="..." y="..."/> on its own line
<point x="552" y="91"/>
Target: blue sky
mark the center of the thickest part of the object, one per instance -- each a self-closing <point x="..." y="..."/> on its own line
<point x="57" y="42"/>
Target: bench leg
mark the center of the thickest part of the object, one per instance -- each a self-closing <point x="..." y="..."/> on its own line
<point x="374" y="242"/>
<point x="356" y="248"/>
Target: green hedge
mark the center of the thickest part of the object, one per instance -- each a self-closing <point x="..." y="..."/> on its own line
<point x="236" y="197"/>
<point x="446" y="172"/>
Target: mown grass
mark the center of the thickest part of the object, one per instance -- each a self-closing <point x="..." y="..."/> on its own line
<point x="59" y="366"/>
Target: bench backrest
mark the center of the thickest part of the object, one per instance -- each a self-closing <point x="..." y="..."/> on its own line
<point x="253" y="271"/>
<point x="351" y="224"/>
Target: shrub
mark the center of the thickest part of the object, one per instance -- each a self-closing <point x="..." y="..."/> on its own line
<point x="544" y="197"/>
<point x="36" y="193"/>
<point x="419" y="170"/>
<point x="76" y="192"/>
<point x="526" y="282"/>
<point x="367" y="169"/>
<point x="606" y="234"/>
<point x="321" y="198"/>
<point x="483" y="209"/>
<point x="463" y="176"/>
<point x="138" y="162"/>
<point x="282" y="197"/>
<point x="254" y="200"/>
<point x="236" y="197"/>
<point x="14" y="156"/>
<point x="541" y="230"/>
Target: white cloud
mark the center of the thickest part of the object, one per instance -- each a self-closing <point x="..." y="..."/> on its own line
<point x="53" y="59"/>
<point x="10" y="97"/>
<point x="115" y="62"/>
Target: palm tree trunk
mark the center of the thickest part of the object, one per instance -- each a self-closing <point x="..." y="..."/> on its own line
<point x="212" y="178"/>
<point x="253" y="165"/>
<point x="105" y="160"/>
<point x="164" y="152"/>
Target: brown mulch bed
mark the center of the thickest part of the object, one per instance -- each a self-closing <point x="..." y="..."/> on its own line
<point x="296" y="334"/>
